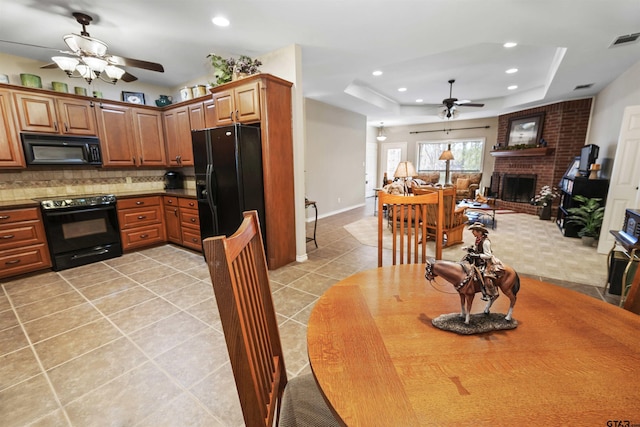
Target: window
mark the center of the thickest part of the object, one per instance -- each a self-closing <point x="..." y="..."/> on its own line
<point x="467" y="155"/>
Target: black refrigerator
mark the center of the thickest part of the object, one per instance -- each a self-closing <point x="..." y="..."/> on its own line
<point x="228" y="171"/>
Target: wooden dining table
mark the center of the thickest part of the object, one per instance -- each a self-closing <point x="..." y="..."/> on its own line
<point x="572" y="359"/>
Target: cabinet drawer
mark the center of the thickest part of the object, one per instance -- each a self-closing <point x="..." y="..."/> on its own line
<point x="130" y="218"/>
<point x="142" y="236"/>
<point x="15" y="215"/>
<point x="171" y="201"/>
<point x="138" y="202"/>
<point x="24" y="260"/>
<point x="189" y="218"/>
<point x="188" y="203"/>
<point x="21" y="234"/>
<point x="191" y="239"/>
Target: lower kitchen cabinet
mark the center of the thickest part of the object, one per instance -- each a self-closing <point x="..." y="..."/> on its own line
<point x="23" y="245"/>
<point x="141" y="222"/>
<point x="182" y="222"/>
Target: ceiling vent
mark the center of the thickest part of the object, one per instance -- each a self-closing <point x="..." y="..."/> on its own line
<point x="587" y="86"/>
<point x="629" y="38"/>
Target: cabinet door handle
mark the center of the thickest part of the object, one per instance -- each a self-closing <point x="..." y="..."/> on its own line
<point x="8" y="236"/>
<point x="144" y="236"/>
<point x="139" y="202"/>
<point x="142" y="216"/>
<point x="192" y="204"/>
<point x="141" y="161"/>
<point x="134" y="159"/>
<point x="175" y="212"/>
<point x="66" y="127"/>
<point x="193" y="220"/>
<point x="55" y="126"/>
<point x="15" y="261"/>
<point x="5" y="216"/>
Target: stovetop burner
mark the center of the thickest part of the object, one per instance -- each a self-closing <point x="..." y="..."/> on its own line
<point x="77" y="201"/>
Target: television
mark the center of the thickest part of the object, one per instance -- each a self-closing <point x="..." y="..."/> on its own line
<point x="588" y="156"/>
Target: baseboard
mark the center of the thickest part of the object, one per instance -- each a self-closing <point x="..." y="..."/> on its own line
<point x="325" y="215"/>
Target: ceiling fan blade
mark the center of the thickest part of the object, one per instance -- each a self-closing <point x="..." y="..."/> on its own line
<point x="30" y="45"/>
<point x="126" y="77"/>
<point x="471" y="104"/>
<point x="138" y="63"/>
<point x="52" y="65"/>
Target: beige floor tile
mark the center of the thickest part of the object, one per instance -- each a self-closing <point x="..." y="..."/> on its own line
<point x="190" y="295"/>
<point x="94" y="369"/>
<point x="12" y="339"/>
<point x="129" y="399"/>
<point x="64" y="347"/>
<point x="288" y="301"/>
<point x="100" y="290"/>
<point x="185" y="362"/>
<point x="313" y="283"/>
<point x="122" y="300"/>
<point x="17" y="366"/>
<point x="144" y="314"/>
<point x="166" y="334"/>
<point x="48" y="306"/>
<point x="8" y="319"/>
<point x="206" y="311"/>
<point x="185" y="410"/>
<point x="217" y="393"/>
<point x="27" y="401"/>
<point x="62" y="321"/>
<point x="39" y="293"/>
<point x="170" y="283"/>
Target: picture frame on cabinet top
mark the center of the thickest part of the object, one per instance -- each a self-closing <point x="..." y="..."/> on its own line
<point x="133" y="97"/>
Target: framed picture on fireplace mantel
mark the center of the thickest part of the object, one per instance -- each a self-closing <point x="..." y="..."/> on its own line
<point x="525" y="130"/>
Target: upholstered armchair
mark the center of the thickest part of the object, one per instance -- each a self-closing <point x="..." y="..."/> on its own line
<point x="454" y="218"/>
<point x="466" y="184"/>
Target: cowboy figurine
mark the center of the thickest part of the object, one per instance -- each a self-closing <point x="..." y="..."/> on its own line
<point x="481" y="256"/>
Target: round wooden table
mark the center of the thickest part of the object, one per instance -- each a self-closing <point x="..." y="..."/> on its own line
<point x="572" y="360"/>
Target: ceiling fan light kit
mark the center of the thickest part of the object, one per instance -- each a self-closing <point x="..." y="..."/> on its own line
<point x="449" y="108"/>
<point x="381" y="134"/>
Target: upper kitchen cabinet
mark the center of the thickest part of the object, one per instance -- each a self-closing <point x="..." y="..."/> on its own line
<point x="52" y="114"/>
<point x="177" y="126"/>
<point x="239" y="104"/>
<point x="202" y="114"/>
<point x="130" y="136"/>
<point x="10" y="151"/>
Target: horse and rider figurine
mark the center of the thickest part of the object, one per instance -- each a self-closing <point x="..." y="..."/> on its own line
<point x="478" y="271"/>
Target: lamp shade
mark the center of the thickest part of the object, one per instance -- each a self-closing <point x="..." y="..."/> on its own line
<point x="446" y="155"/>
<point x="405" y="170"/>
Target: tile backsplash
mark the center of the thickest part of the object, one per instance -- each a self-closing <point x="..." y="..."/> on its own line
<point x="32" y="184"/>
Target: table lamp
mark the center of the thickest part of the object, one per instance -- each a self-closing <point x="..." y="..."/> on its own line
<point x="447" y="155"/>
<point x="405" y="170"/>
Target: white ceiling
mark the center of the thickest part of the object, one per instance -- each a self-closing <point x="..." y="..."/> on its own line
<point x="418" y="44"/>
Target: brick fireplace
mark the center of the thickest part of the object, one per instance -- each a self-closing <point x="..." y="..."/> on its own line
<point x="565" y="130"/>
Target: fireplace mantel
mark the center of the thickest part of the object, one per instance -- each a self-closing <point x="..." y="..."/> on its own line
<point x="527" y="152"/>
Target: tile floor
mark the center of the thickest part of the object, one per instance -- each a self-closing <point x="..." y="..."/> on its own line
<point x="136" y="340"/>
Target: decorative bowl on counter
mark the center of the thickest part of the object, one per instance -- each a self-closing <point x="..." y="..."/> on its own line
<point x="31" y="80"/>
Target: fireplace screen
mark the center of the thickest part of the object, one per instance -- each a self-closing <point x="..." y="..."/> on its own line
<point x="518" y="188"/>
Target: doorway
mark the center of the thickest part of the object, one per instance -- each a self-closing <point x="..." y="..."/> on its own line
<point x="392" y="154"/>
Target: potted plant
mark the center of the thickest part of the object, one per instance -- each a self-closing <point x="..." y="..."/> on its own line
<point x="226" y="70"/>
<point x="588" y="215"/>
<point x="544" y="198"/>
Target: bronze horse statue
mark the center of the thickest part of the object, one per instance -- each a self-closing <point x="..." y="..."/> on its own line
<point x="464" y="277"/>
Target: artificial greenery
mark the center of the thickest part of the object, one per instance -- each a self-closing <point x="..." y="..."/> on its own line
<point x="224" y="68"/>
<point x="588" y="215"/>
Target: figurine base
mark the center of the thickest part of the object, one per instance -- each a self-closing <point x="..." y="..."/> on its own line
<point x="478" y="323"/>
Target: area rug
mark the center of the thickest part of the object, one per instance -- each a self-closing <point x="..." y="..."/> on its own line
<point x="528" y="244"/>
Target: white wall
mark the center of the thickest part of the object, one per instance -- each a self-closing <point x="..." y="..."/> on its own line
<point x="608" y="109"/>
<point x="335" y="157"/>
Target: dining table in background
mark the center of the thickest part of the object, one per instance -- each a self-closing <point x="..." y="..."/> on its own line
<point x="379" y="361"/>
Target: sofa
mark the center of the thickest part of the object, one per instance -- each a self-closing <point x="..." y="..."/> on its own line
<point x="466" y="184"/>
<point x="431" y="178"/>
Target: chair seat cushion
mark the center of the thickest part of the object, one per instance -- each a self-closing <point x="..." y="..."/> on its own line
<point x="304" y="405"/>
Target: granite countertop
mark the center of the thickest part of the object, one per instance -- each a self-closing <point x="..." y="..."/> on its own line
<point x="30" y="203"/>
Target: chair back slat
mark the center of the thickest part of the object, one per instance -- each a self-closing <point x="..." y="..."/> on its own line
<point x="238" y="269"/>
<point x="405" y="218"/>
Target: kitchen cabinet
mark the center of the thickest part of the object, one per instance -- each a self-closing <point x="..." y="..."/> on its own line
<point x="172" y="219"/>
<point x="177" y="126"/>
<point x="23" y="245"/>
<point x="182" y="222"/>
<point x="10" y="150"/>
<point x="140" y="222"/>
<point x="190" y="223"/>
<point x="202" y="114"/>
<point x="130" y="136"/>
<point x="239" y="104"/>
<point x="51" y="114"/>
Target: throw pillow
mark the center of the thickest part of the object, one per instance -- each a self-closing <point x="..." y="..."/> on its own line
<point x="462" y="184"/>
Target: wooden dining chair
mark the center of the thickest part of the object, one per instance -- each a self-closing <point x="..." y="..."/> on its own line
<point x="238" y="269"/>
<point x="408" y="230"/>
<point x="455" y="219"/>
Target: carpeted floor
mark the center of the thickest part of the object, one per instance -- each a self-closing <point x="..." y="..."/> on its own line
<point x="531" y="246"/>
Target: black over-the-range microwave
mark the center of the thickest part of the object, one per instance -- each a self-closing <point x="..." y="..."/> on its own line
<point x="61" y="150"/>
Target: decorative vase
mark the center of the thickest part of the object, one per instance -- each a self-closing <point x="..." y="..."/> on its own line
<point x="163" y="101"/>
<point x="588" y="240"/>
<point x="545" y="212"/>
<point x="237" y="76"/>
<point x="31" y="80"/>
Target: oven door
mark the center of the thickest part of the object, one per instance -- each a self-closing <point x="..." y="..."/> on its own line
<point x="79" y="236"/>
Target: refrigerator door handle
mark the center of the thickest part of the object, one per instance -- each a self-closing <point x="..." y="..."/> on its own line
<point x="209" y="186"/>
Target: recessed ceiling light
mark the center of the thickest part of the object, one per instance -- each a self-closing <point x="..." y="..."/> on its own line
<point x="512" y="87"/>
<point x="510" y="44"/>
<point x="402" y="89"/>
<point x="377" y="73"/>
<point x="420" y="100"/>
<point x="511" y="70"/>
<point x="220" y="21"/>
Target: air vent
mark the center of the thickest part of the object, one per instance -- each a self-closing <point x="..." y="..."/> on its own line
<point x="587" y="86"/>
<point x="629" y="38"/>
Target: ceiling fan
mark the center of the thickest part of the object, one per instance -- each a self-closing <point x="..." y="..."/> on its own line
<point x="449" y="109"/>
<point x="88" y="57"/>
